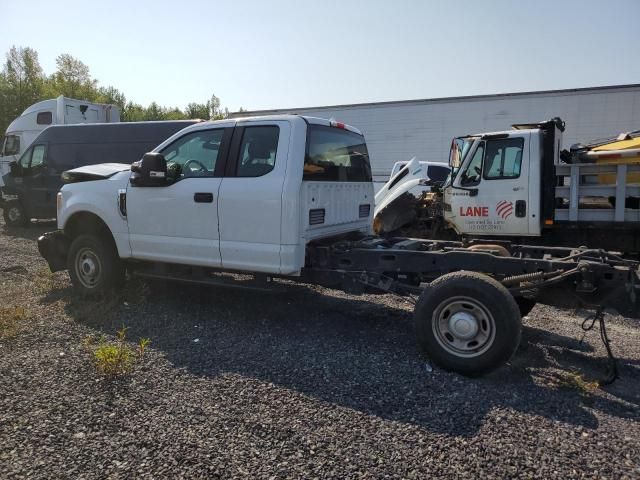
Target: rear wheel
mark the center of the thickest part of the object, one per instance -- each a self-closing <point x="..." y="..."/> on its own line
<point x="468" y="323"/>
<point x="14" y="214"/>
<point x="94" y="265"/>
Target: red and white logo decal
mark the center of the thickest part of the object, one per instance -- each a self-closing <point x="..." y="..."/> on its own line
<point x="504" y="209"/>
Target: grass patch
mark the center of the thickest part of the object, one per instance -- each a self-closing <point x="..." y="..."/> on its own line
<point x="10" y="319"/>
<point x="118" y="357"/>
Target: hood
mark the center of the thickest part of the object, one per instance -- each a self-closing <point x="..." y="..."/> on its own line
<point x="93" y="172"/>
<point x="409" y="176"/>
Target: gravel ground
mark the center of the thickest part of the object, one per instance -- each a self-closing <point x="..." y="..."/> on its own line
<point x="307" y="384"/>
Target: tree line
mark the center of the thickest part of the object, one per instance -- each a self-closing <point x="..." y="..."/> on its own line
<point x="23" y="83"/>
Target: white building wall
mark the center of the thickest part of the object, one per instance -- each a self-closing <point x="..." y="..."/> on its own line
<point x="424" y="128"/>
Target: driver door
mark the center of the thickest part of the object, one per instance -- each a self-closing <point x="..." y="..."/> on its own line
<point x="178" y="222"/>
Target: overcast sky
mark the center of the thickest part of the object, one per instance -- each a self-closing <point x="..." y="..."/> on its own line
<point x="294" y="53"/>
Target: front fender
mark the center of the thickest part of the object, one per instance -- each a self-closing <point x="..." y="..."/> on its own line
<point x="99" y="198"/>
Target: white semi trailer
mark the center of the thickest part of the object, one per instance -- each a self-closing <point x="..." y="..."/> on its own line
<point x="56" y="111"/>
<point x="399" y="130"/>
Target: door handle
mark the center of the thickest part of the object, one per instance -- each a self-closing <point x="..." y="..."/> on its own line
<point x="203" y="197"/>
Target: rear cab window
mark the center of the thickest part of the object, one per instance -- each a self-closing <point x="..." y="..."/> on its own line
<point x="335" y="155"/>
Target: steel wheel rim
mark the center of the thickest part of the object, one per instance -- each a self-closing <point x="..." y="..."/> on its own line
<point x="463" y="327"/>
<point x="88" y="267"/>
<point x="14" y="214"/>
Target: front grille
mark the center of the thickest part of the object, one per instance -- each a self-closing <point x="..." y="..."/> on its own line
<point x="316" y="216"/>
<point x="364" y="210"/>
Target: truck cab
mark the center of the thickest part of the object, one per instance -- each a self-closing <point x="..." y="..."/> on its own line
<point x="236" y="195"/>
<point x="502" y="183"/>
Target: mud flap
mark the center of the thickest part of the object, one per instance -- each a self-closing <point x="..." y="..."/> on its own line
<point x="53" y="247"/>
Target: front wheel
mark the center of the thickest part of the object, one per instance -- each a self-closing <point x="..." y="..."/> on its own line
<point x="94" y="265"/>
<point x="14" y="214"/>
<point x="468" y="323"/>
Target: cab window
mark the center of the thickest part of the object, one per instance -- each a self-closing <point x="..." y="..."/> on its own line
<point x="470" y="176"/>
<point x="503" y="158"/>
<point x="37" y="156"/>
<point x="336" y="155"/>
<point x="33" y="158"/>
<point x="44" y="118"/>
<point x="258" y="151"/>
<point x="11" y="145"/>
<point x="194" y="155"/>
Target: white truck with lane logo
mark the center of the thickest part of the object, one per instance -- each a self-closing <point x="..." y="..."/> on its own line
<point x="291" y="197"/>
<point x="519" y="186"/>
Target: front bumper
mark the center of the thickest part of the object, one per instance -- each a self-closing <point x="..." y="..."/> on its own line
<point x="54" y="247"/>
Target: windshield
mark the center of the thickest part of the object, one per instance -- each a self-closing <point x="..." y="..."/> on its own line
<point x="459" y="148"/>
<point x="11" y="145"/>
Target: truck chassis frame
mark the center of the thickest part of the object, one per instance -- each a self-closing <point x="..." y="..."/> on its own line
<point x="469" y="299"/>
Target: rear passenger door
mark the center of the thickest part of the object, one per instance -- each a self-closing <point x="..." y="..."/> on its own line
<point x="250" y="207"/>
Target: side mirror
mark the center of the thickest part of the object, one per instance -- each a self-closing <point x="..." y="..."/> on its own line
<point x="151" y="171"/>
<point x="15" y="169"/>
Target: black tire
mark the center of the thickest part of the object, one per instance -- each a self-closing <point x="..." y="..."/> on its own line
<point x="94" y="266"/>
<point x="479" y="304"/>
<point x="525" y="305"/>
<point x="14" y="214"/>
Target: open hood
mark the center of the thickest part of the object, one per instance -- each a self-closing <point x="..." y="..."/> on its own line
<point x="409" y="176"/>
<point x="93" y="172"/>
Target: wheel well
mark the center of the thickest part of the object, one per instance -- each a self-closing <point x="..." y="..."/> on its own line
<point x="87" y="223"/>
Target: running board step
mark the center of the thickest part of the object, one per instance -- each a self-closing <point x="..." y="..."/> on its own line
<point x="240" y="281"/>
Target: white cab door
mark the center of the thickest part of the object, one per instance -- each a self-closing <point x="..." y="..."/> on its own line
<point x="178" y="223"/>
<point x="490" y="194"/>
<point x="250" y="205"/>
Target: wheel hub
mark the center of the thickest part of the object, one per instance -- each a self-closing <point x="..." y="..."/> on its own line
<point x="14" y="214"/>
<point x="463" y="325"/>
<point x="88" y="267"/>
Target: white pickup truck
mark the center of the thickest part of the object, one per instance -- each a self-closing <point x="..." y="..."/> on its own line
<point x="291" y="197"/>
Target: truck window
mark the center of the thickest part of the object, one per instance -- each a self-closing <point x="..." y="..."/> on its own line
<point x="44" y="118"/>
<point x="437" y="173"/>
<point x="25" y="158"/>
<point x="33" y="157"/>
<point x="336" y="155"/>
<point x="37" y="156"/>
<point x="470" y="176"/>
<point x="503" y="158"/>
<point x="11" y="145"/>
<point x="258" y="151"/>
<point x="195" y="154"/>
